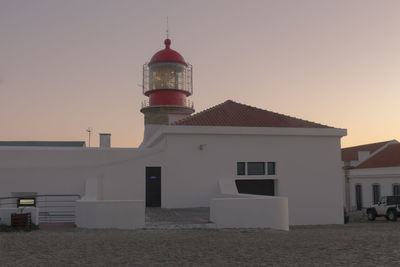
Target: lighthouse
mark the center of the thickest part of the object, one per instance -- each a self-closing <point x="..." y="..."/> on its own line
<point x="167" y="82"/>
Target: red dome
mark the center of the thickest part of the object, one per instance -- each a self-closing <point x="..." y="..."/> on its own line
<point x="167" y="55"/>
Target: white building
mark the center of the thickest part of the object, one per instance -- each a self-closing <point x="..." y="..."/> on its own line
<point x="252" y="167"/>
<point x="372" y="171"/>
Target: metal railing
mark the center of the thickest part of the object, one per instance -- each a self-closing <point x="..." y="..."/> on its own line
<point x="52" y="208"/>
<point x="188" y="103"/>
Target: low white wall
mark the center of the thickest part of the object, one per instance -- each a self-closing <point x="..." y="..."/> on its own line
<point x="5" y="214"/>
<point x="250" y="212"/>
<point x="92" y="188"/>
<point x="121" y="214"/>
<point x="234" y="210"/>
<point x="227" y="187"/>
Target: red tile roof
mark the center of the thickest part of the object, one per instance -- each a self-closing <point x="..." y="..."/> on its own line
<point x="351" y="153"/>
<point x="231" y="113"/>
<point x="388" y="157"/>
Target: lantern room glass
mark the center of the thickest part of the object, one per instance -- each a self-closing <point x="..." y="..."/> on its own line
<point x="167" y="76"/>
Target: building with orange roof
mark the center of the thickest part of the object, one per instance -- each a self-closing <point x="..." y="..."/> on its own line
<point x="371" y="171"/>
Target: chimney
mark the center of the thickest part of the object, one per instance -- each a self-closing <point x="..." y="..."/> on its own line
<point x="105" y="140"/>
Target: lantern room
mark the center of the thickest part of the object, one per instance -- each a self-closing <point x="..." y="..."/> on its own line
<point x="167" y="79"/>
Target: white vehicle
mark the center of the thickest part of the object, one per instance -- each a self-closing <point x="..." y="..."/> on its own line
<point x="388" y="206"/>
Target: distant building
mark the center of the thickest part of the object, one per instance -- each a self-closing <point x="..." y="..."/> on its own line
<point x="371" y="171"/>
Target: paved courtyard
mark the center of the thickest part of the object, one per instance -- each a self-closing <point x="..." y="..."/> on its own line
<point x="357" y="243"/>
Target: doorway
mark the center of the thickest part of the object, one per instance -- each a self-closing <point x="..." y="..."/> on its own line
<point x="153" y="186"/>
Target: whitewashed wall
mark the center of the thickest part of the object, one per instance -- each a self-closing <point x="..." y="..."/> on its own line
<point x="120" y="172"/>
<point x="385" y="177"/>
<point x="308" y="169"/>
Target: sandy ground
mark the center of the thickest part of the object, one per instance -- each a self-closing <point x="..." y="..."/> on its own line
<point x="358" y="243"/>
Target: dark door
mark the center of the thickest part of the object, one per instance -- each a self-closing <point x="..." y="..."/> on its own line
<point x="264" y="187"/>
<point x="358" y="197"/>
<point x="153" y="186"/>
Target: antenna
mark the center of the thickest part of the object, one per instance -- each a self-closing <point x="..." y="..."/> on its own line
<point x="89" y="130"/>
<point x="167" y="29"/>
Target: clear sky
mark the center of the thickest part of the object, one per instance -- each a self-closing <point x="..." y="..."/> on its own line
<point x="69" y="65"/>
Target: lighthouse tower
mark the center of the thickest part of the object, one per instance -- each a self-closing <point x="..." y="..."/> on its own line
<point x="167" y="82"/>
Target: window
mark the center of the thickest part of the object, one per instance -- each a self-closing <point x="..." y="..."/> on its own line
<point x="376" y="193"/>
<point x="271" y="168"/>
<point x="358" y="197"/>
<point x="255" y="168"/>
<point x="26" y="202"/>
<point x="396" y="189"/>
<point x="241" y="168"/>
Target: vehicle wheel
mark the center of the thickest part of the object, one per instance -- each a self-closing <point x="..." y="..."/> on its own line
<point x="392" y="215"/>
<point x="371" y="215"/>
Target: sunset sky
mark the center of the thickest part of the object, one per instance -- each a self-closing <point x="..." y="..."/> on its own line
<point x="69" y="65"/>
